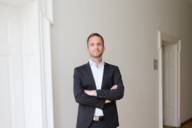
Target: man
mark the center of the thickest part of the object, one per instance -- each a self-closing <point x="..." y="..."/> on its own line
<point x="97" y="86"/>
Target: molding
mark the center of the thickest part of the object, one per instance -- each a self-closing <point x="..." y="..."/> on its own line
<point x="161" y="37"/>
<point x="46" y="8"/>
<point x="46" y="71"/>
<point x="160" y="93"/>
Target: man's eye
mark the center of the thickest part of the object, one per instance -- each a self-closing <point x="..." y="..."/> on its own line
<point x="99" y="44"/>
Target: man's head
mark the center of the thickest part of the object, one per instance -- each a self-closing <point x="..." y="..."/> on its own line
<point x="95" y="45"/>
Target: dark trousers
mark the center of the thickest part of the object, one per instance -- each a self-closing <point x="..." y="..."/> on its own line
<point x="100" y="124"/>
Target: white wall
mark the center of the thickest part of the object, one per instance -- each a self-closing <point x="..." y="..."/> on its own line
<point x="130" y="31"/>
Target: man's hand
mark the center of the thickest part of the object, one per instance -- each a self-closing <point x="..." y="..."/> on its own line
<point x="107" y="101"/>
<point x="114" y="87"/>
<point x="91" y="92"/>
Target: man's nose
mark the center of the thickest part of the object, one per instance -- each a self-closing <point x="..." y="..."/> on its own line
<point x="96" y="47"/>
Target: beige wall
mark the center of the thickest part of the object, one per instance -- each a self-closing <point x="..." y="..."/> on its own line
<point x="130" y="31"/>
<point x="186" y="95"/>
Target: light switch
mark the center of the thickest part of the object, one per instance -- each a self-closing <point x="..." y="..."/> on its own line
<point x="155" y="64"/>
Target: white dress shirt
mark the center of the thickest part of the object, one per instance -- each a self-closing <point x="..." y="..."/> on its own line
<point x="97" y="71"/>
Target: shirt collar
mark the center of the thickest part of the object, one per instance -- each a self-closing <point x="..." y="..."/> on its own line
<point x="92" y="63"/>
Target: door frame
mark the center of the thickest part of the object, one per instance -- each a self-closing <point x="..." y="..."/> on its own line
<point x="171" y="39"/>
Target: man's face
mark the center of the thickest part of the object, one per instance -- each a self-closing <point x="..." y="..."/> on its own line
<point x="95" y="47"/>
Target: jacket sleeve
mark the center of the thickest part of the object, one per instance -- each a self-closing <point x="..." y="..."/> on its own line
<point x="113" y="94"/>
<point x="80" y="95"/>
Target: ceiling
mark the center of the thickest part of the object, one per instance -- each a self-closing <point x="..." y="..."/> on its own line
<point x="14" y="2"/>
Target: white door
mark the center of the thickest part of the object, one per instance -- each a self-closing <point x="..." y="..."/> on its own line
<point x="11" y="87"/>
<point x="25" y="66"/>
<point x="170" y="84"/>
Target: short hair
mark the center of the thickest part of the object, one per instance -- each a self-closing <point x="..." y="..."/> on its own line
<point x="95" y="34"/>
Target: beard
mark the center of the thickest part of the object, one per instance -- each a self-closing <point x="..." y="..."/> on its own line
<point x="96" y="56"/>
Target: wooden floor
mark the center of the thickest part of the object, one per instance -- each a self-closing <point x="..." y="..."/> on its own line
<point x="187" y="125"/>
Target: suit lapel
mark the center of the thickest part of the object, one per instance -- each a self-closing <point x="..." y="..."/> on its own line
<point x="105" y="72"/>
<point x="90" y="75"/>
<point x="91" y="78"/>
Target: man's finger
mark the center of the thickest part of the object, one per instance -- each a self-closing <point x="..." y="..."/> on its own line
<point x="107" y="101"/>
<point x="86" y="91"/>
<point x="114" y="87"/>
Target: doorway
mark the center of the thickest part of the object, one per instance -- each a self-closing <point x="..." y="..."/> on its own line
<point x="169" y="49"/>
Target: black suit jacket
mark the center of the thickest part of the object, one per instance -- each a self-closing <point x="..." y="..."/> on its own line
<point x="83" y="79"/>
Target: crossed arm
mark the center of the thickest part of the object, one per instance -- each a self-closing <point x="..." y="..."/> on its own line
<point x="97" y="98"/>
<point x="94" y="93"/>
